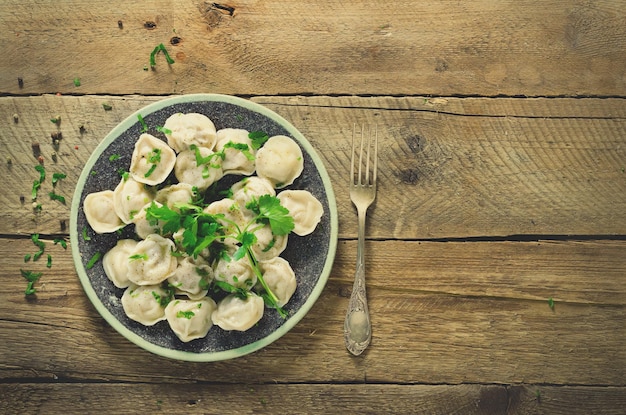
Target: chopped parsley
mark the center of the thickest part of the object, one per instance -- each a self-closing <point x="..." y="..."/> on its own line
<point x="61" y="242"/>
<point x="138" y="256"/>
<point x="144" y="126"/>
<point x="56" y="177"/>
<point x="86" y="237"/>
<point x="258" y="139"/>
<point x="185" y="314"/>
<point x="157" y="49"/>
<point x="94" y="259"/>
<point x="57" y="197"/>
<point x="32" y="278"/>
<point x="114" y="157"/>
<point x="163" y="130"/>
<point x="39" y="244"/>
<point x="154" y="158"/>
<point x="49" y="262"/>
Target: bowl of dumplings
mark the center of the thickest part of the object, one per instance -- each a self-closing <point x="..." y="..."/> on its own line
<point x="203" y="227"/>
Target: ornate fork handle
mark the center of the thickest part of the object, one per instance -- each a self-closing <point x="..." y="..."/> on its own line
<point x="357" y="326"/>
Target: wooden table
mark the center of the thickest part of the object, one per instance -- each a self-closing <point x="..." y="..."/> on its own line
<point x="496" y="250"/>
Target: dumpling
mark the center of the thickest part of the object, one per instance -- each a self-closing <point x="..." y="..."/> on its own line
<point x="144" y="303"/>
<point x="234" y="313"/>
<point x="129" y="197"/>
<point x="279" y="276"/>
<point x="239" y="154"/>
<point x="268" y="245"/>
<point x="304" y="208"/>
<point x="151" y="261"/>
<point x="203" y="175"/>
<point x="143" y="227"/>
<point x="191" y="277"/>
<point x="250" y="188"/>
<point x="100" y="212"/>
<point x="280" y="161"/>
<point x="176" y="193"/>
<point x="236" y="273"/>
<point x="115" y="262"/>
<point x="190" y="129"/>
<point x="233" y="217"/>
<point x="152" y="160"/>
<point x="190" y="320"/>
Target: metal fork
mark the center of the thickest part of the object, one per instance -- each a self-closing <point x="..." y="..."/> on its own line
<point x="357" y="327"/>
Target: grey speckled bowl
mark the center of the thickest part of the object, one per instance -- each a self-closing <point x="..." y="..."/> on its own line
<point x="311" y="256"/>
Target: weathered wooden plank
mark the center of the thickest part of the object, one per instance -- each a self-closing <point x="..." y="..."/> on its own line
<point x="439" y="48"/>
<point x="514" y="169"/>
<point x="469" y="312"/>
<point x="251" y="398"/>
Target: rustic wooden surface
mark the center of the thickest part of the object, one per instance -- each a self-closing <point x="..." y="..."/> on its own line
<point x="502" y="185"/>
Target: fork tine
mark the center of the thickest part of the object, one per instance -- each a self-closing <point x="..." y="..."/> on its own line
<point x="352" y="181"/>
<point x="375" y="155"/>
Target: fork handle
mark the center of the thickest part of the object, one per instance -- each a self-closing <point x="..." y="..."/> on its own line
<point x="357" y="327"/>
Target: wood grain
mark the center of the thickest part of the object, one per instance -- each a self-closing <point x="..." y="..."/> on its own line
<point x="279" y="398"/>
<point x="562" y="48"/>
<point x="468" y="313"/>
<point x="453" y="169"/>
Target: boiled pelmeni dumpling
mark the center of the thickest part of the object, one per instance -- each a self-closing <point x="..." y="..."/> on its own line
<point x="189" y="129"/>
<point x="279" y="276"/>
<point x="152" y="160"/>
<point x="304" y="208"/>
<point x="115" y="262"/>
<point x="233" y="217"/>
<point x="174" y="194"/>
<point x="238" y="151"/>
<point x="129" y="197"/>
<point x="143" y="303"/>
<point x="237" y="273"/>
<point x="100" y="212"/>
<point x="280" y="161"/>
<point x="268" y="245"/>
<point x="191" y="277"/>
<point x="151" y="261"/>
<point x="249" y="188"/>
<point x="187" y="169"/>
<point x="234" y="313"/>
<point x="190" y="320"/>
<point x="143" y="227"/>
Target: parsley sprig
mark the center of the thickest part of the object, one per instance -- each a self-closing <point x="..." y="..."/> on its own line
<point x="203" y="231"/>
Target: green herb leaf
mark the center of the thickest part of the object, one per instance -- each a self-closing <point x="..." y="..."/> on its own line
<point x="55" y="196"/>
<point x="61" y="242"/>
<point x="144" y="126"/>
<point x="27" y="257"/>
<point x="269" y="210"/>
<point x="163" y="130"/>
<point x="114" y="157"/>
<point x="40" y="244"/>
<point x="36" y="186"/>
<point x="551" y="303"/>
<point x="107" y="107"/>
<point x="32" y="278"/>
<point x="56" y="177"/>
<point x="49" y="263"/>
<point x="185" y="314"/>
<point x="76" y="81"/>
<point x="138" y="256"/>
<point x="86" y="237"/>
<point x="157" y="49"/>
<point x="42" y="172"/>
<point x="94" y="259"/>
<point x="243" y="147"/>
<point x="258" y="139"/>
